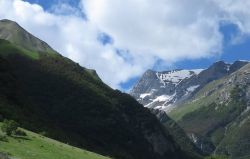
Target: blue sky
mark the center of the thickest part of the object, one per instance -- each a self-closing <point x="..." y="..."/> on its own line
<point x="230" y="51"/>
<point x="48" y="3"/>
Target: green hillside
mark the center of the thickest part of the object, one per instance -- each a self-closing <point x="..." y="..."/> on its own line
<point x="7" y="49"/>
<point x="57" y="97"/>
<point x="35" y="146"/>
<point x="200" y="99"/>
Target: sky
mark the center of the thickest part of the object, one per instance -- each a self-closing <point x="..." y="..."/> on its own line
<point x="122" y="39"/>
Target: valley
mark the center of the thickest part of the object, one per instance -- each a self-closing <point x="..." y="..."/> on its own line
<point x="67" y="111"/>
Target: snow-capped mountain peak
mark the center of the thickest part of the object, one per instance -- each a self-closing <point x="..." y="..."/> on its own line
<point x="164" y="90"/>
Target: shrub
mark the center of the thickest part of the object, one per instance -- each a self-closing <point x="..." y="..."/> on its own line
<point x="9" y="127"/>
<point x="19" y="132"/>
<point x="3" y="138"/>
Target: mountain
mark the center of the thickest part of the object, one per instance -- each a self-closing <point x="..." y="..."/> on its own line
<point x="211" y="106"/>
<point x="50" y="94"/>
<point x="162" y="89"/>
<point x="11" y="31"/>
<point x="167" y="89"/>
<point x="217" y="117"/>
<point x="29" y="44"/>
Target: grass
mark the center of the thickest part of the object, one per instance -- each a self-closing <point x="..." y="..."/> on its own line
<point x="6" y="48"/>
<point x="35" y="146"/>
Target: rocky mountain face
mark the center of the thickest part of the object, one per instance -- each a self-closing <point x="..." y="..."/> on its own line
<point x="165" y="90"/>
<point x="52" y="95"/>
<point x="160" y="90"/>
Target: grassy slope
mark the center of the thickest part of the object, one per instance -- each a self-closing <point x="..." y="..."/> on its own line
<point x="35" y="146"/>
<point x="236" y="142"/>
<point x="54" y="95"/>
<point x="199" y="100"/>
<point x="7" y="49"/>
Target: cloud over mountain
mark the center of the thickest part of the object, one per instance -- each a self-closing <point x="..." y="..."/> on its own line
<point x="141" y="31"/>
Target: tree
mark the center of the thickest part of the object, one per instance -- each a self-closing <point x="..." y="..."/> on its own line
<point x="9" y="127"/>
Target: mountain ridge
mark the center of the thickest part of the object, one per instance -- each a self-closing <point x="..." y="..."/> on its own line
<point x="13" y="32"/>
<point x="153" y="92"/>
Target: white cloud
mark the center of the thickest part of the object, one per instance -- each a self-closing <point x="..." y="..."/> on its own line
<point x="169" y="30"/>
<point x="72" y="36"/>
<point x="65" y="9"/>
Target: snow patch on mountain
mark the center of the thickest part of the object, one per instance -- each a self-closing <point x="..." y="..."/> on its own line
<point x="163" y="98"/>
<point x="167" y="82"/>
<point x="161" y="102"/>
<point x="176" y="76"/>
<point x="192" y="88"/>
<point x="142" y="96"/>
